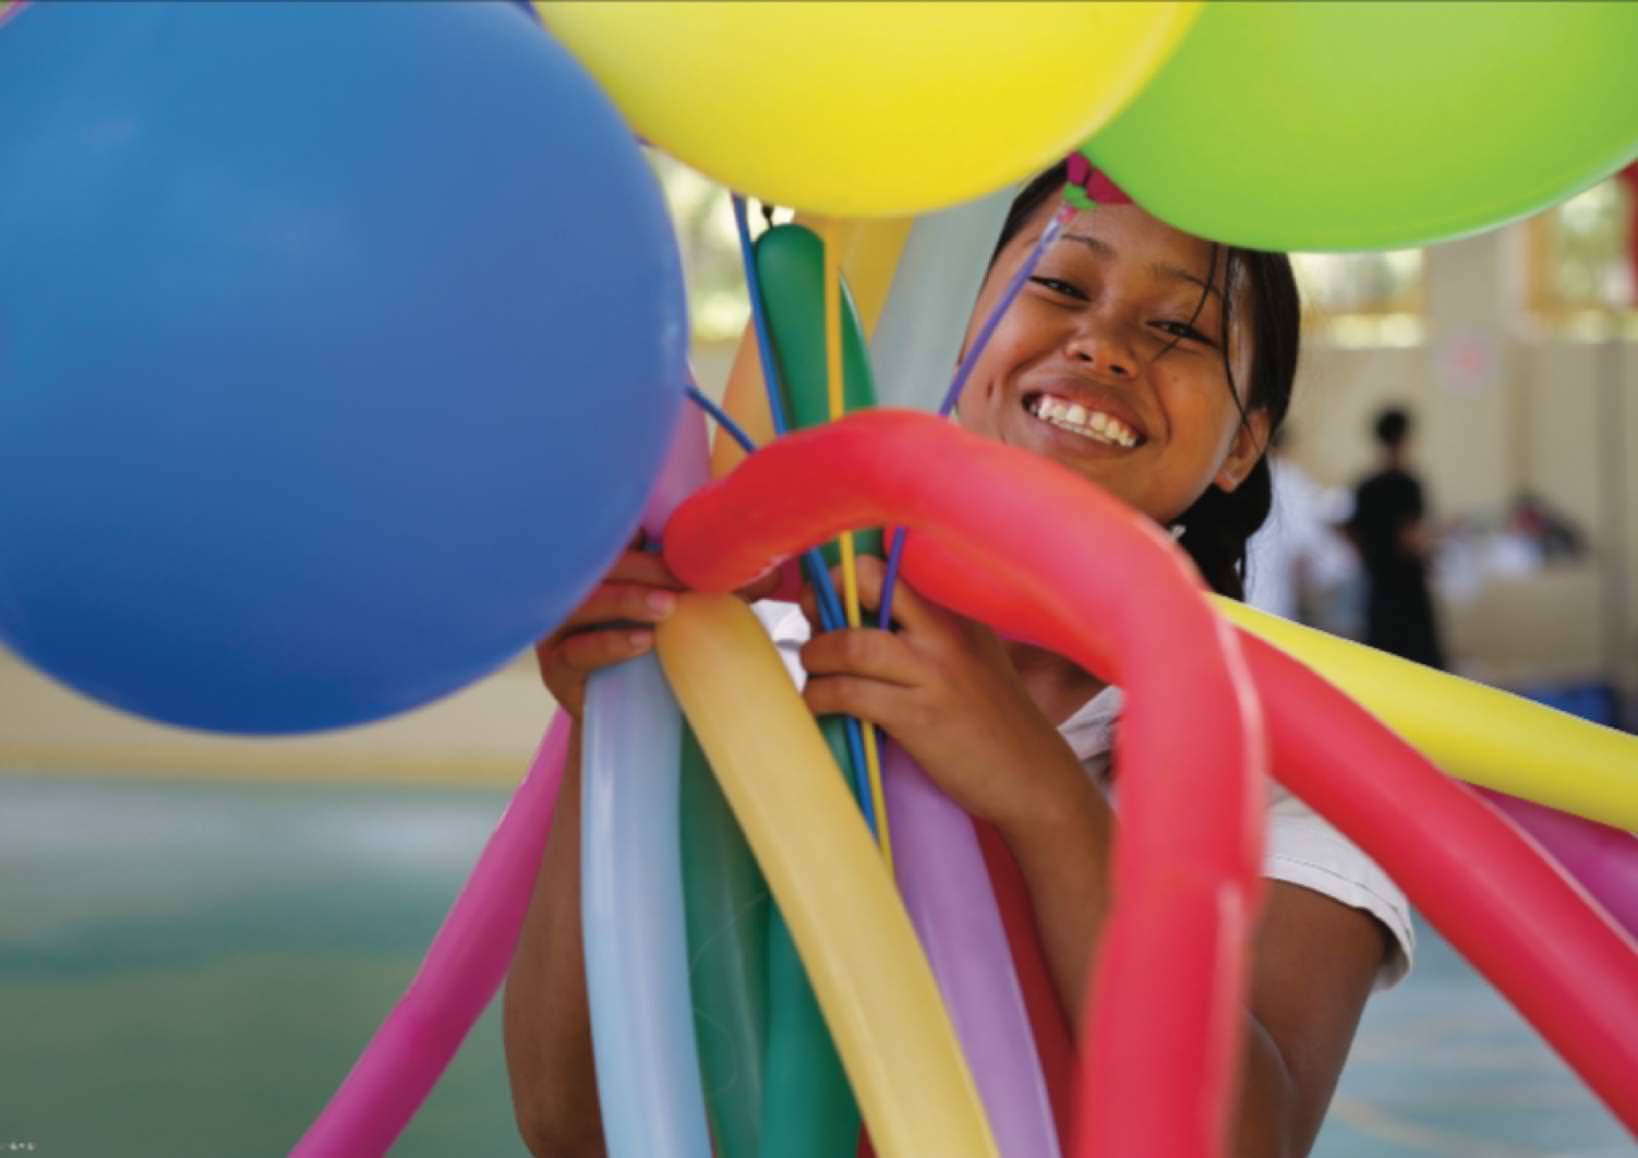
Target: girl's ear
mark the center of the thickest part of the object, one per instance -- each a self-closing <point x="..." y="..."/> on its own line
<point x="1250" y="441"/>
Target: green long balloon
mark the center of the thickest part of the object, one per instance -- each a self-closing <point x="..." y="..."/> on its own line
<point x="808" y="1107"/>
<point x="726" y="910"/>
<point x="1341" y="126"/>
<point x="790" y="260"/>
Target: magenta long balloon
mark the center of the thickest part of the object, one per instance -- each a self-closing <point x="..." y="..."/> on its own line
<point x="1603" y="860"/>
<point x="946" y="889"/>
<point x="465" y="964"/>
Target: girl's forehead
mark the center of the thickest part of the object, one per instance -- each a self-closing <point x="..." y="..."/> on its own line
<point x="1128" y="233"/>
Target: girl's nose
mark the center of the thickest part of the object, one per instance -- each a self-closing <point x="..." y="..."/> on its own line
<point x="1101" y="352"/>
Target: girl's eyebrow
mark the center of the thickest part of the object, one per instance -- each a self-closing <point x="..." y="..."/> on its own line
<point x="1160" y="268"/>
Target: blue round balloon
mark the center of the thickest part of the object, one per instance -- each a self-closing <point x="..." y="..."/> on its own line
<point x="339" y="347"/>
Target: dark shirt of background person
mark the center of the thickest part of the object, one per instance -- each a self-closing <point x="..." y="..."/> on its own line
<point x="1390" y="529"/>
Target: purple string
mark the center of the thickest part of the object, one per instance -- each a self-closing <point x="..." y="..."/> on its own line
<point x="884" y="619"/>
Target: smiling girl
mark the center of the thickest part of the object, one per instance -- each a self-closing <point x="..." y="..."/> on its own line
<point x="1156" y="365"/>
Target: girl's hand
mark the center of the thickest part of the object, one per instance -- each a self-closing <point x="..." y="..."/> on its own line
<point x="945" y="689"/>
<point x="615" y="623"/>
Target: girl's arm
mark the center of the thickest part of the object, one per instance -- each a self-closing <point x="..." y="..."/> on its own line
<point x="943" y="687"/>
<point x="546" y="1020"/>
<point x="1313" y="964"/>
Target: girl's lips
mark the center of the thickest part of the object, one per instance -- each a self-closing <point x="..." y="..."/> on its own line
<point x="1091" y="398"/>
<point x="1094" y="421"/>
<point x="1097" y="425"/>
<point x="1059" y="441"/>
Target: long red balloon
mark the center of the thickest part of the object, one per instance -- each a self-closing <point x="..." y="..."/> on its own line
<point x="1171" y="972"/>
<point x="1564" y="963"/>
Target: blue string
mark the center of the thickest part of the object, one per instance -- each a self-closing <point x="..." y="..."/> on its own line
<point x="964" y="371"/>
<point x="831" y="613"/>
<point x="759" y="320"/>
<point x="831" y="616"/>
<point x="720" y="416"/>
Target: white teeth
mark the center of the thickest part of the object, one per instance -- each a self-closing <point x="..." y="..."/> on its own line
<point x="1077" y="419"/>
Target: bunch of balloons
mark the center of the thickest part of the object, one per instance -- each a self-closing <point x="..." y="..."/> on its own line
<point x="343" y="346"/>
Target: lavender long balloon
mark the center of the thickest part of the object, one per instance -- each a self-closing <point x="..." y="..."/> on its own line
<point x="1603" y="860"/>
<point x="946" y="889"/>
<point x="464" y="966"/>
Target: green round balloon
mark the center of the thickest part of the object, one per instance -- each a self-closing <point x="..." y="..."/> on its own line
<point x="1340" y="126"/>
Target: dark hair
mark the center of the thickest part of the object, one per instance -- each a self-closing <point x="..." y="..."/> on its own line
<point x="1391" y="426"/>
<point x="1218" y="525"/>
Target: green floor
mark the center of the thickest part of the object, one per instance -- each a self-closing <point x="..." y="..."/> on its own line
<point x="188" y="969"/>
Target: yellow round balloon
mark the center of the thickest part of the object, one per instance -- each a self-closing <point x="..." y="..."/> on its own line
<point x="868" y="109"/>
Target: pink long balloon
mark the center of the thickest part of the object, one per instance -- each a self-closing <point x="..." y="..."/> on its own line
<point x="1171" y="974"/>
<point x="464" y="966"/>
<point x="1566" y="966"/>
<point x="939" y="869"/>
<point x="1602" y="859"/>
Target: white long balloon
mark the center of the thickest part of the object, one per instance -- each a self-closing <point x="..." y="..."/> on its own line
<point x="917" y="341"/>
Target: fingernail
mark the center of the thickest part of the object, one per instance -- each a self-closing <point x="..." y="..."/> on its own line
<point x="662" y="602"/>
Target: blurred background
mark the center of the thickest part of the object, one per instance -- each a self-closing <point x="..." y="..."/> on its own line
<point x="202" y="932"/>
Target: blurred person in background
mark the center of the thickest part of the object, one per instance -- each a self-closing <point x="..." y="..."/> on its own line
<point x="1390" y="528"/>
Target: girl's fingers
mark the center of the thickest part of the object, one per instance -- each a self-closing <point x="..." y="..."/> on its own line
<point x="809" y="603"/>
<point x="587" y="651"/>
<point x="615" y="602"/>
<point x="845" y="695"/>
<point x="642" y="567"/>
<point x="863" y="651"/>
<point x="910" y="610"/>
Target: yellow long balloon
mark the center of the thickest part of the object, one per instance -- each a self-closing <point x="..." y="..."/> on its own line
<point x="873" y="983"/>
<point x="1474" y="733"/>
<point x="871" y="260"/>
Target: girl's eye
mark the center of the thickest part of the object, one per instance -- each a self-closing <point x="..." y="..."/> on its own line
<point x="1184" y="331"/>
<point x="1059" y="287"/>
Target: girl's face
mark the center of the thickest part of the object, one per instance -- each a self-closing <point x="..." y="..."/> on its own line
<point x="1075" y="370"/>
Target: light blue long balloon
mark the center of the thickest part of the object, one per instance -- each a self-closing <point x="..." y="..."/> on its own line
<point x="648" y="1075"/>
<point x="917" y="340"/>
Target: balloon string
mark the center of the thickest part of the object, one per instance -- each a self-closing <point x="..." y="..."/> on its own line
<point x="832" y="235"/>
<point x="830" y="607"/>
<point x="813" y="563"/>
<point x="965" y="370"/>
<point x="721" y="418"/>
